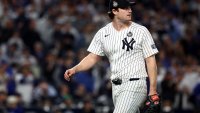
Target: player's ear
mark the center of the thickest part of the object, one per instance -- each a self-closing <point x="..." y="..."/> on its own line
<point x="111" y="13"/>
<point x="115" y="11"/>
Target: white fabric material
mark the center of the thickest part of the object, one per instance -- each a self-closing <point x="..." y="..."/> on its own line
<point x="124" y="64"/>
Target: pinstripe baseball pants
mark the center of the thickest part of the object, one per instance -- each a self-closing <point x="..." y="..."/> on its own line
<point x="129" y="96"/>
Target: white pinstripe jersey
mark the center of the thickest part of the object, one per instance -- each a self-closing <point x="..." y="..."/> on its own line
<point x="125" y="49"/>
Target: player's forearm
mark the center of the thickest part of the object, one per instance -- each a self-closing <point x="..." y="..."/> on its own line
<point x="152" y="72"/>
<point x="86" y="63"/>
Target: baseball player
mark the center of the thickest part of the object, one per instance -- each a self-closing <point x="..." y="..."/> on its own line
<point x="129" y="47"/>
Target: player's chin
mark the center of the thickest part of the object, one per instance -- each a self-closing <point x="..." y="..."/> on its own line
<point x="129" y="17"/>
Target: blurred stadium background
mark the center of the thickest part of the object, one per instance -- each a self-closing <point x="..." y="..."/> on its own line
<point x="39" y="39"/>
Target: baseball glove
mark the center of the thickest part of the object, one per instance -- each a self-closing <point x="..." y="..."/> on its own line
<point x="152" y="104"/>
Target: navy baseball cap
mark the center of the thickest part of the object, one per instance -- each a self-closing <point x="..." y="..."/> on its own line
<point x="120" y="4"/>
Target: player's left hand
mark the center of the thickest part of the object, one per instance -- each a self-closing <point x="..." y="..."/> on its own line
<point x="152" y="104"/>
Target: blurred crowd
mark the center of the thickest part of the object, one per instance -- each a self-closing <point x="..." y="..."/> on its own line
<point x="40" y="39"/>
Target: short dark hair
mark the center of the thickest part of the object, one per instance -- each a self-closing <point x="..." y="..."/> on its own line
<point x="111" y="14"/>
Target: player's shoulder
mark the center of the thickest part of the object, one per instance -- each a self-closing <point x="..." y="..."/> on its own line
<point x="102" y="31"/>
<point x="138" y="26"/>
<point x="105" y="28"/>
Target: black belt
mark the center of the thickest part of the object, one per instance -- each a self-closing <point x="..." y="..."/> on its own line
<point x="118" y="81"/>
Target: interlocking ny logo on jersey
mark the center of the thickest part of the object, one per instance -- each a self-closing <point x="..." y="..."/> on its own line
<point x="129" y="45"/>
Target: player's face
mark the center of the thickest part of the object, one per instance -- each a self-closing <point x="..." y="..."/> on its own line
<point x="124" y="14"/>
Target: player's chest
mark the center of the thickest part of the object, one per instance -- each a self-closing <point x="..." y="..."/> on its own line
<point x="126" y="42"/>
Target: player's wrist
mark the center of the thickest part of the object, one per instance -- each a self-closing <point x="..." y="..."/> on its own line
<point x="152" y="92"/>
<point x="74" y="69"/>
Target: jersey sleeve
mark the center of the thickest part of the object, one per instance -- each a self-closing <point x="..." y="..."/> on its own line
<point x="96" y="44"/>
<point x="149" y="47"/>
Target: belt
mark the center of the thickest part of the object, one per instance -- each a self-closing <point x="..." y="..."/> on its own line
<point x="118" y="81"/>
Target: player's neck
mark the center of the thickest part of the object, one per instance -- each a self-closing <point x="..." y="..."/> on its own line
<point x="119" y="25"/>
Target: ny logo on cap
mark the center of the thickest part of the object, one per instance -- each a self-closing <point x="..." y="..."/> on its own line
<point x="115" y="4"/>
